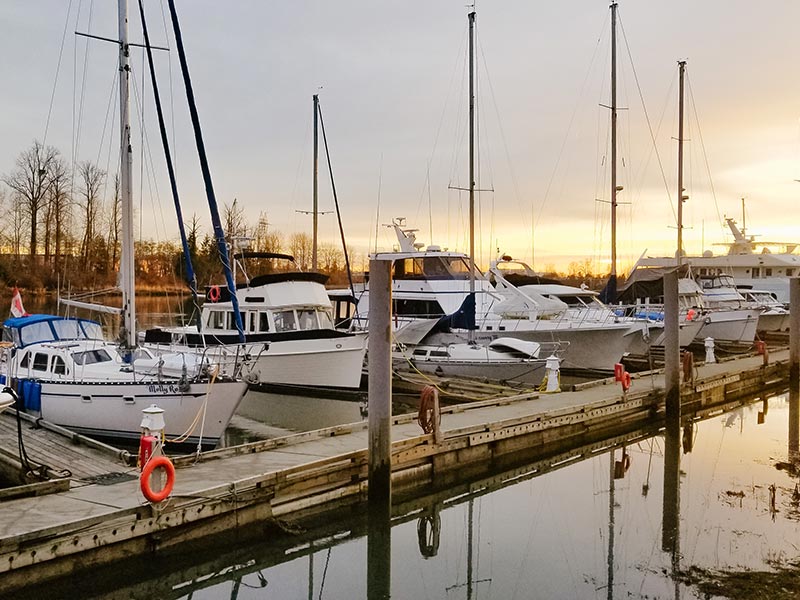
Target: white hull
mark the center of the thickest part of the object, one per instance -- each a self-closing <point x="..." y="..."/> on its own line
<point x="584" y="348"/>
<point x="773" y="321"/>
<point x="319" y="362"/>
<point x="530" y="372"/>
<point x="115" y="409"/>
<point x="687" y="333"/>
<point x="731" y="326"/>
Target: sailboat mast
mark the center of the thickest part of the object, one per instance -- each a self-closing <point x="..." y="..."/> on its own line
<point x="316" y="174"/>
<point x="472" y="152"/>
<point x="127" y="282"/>
<point x="612" y="282"/>
<point x="681" y="197"/>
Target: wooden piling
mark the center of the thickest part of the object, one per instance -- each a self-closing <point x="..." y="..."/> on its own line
<point x="379" y="556"/>
<point x="672" y="350"/>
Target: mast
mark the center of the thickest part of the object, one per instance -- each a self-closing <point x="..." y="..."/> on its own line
<point x="612" y="280"/>
<point x="127" y="282"/>
<point x="681" y="197"/>
<point x="316" y="173"/>
<point x="471" y="159"/>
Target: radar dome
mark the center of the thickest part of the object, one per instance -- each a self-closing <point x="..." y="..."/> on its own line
<point x="708" y="254"/>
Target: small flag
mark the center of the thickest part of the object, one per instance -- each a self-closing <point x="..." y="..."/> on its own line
<point x="17" y="310"/>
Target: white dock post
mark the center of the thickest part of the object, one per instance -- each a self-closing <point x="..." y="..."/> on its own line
<point x="709" y="344"/>
<point x="380" y="415"/>
<point x="552" y="373"/>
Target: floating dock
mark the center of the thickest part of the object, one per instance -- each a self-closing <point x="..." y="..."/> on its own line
<point x="91" y="524"/>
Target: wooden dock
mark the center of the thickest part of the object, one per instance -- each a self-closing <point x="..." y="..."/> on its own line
<point x="306" y="474"/>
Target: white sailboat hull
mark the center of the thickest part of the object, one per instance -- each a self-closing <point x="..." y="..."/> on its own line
<point x="114" y="410"/>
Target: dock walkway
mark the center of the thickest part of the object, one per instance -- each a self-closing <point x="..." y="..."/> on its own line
<point x="277" y="477"/>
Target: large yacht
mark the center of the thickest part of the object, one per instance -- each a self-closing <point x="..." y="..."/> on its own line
<point x="765" y="266"/>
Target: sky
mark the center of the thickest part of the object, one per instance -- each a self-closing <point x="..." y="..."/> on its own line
<point x="392" y="83"/>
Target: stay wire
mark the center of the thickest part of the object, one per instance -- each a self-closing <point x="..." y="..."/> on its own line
<point x="58" y="71"/>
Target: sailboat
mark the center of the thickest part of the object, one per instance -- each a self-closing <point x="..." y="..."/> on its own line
<point x="732" y="325"/>
<point x="502" y="359"/>
<point x="65" y="372"/>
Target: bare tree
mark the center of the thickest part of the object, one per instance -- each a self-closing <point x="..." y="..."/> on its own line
<point x="91" y="179"/>
<point x="115" y="225"/>
<point x="235" y="224"/>
<point x="30" y="182"/>
<point x="57" y="210"/>
<point x="300" y="246"/>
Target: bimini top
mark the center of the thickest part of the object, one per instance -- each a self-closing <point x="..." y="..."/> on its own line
<point x="23" y="331"/>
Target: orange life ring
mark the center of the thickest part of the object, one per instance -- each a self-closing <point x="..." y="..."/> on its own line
<point x="144" y="479"/>
<point x="626" y="381"/>
<point x="214" y="293"/>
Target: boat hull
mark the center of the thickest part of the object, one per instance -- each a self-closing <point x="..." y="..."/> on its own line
<point x="735" y="327"/>
<point x="318" y="362"/>
<point x="101" y="409"/>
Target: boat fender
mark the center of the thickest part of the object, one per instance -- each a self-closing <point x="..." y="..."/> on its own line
<point x="214" y="293"/>
<point x="144" y="480"/>
<point x="690" y="314"/>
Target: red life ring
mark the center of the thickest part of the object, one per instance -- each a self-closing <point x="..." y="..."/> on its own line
<point x="144" y="479"/>
<point x="214" y="293"/>
<point x="626" y="381"/>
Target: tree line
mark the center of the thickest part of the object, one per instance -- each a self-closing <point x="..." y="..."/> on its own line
<point x="63" y="228"/>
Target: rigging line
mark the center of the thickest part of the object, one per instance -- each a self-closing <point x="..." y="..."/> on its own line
<point x="58" y="71"/>
<point x="647" y="118"/>
<point x="336" y="202"/>
<point x="148" y="167"/>
<point x="142" y="166"/>
<point x="191" y="277"/>
<point x="111" y="97"/>
<point x="171" y="94"/>
<point x="81" y="103"/>
<point x="703" y="148"/>
<point x="537" y="218"/>
<point x="378" y="203"/>
<point x="441" y="121"/>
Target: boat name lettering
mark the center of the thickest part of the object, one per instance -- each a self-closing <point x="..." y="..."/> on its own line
<point x="163" y="388"/>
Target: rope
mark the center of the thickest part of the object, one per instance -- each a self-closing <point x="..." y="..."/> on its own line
<point x="200" y="417"/>
<point x="427" y="414"/>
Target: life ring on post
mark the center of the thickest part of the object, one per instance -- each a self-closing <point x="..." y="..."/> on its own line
<point x="144" y="479"/>
<point x="213" y="293"/>
<point x="626" y="381"/>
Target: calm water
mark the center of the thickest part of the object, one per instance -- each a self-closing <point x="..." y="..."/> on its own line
<point x="587" y="528"/>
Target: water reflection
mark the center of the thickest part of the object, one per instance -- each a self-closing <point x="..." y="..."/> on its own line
<point x="593" y="522"/>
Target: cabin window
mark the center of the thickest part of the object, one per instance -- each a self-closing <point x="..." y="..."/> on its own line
<point x="417" y="308"/>
<point x="254" y="299"/>
<point x="285" y="321"/>
<point x="263" y="322"/>
<point x="307" y="319"/>
<point x="40" y="362"/>
<point x="756" y="272"/>
<point x="58" y="367"/>
<point x="767" y="272"/>
<point x="325" y="321"/>
<point x="420" y="352"/>
<point x="25" y="361"/>
<point x="216" y="319"/>
<point x="231" y="320"/>
<point x="789" y="272"/>
<point x="252" y="322"/>
<point x="90" y="357"/>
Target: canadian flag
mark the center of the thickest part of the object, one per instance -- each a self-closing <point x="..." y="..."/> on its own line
<point x="17" y="310"/>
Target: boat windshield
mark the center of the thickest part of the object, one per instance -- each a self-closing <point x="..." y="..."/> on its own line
<point x="90" y="357"/>
<point x="431" y="267"/>
<point x="51" y="330"/>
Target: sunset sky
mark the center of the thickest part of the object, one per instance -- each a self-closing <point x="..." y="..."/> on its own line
<point x="394" y="99"/>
